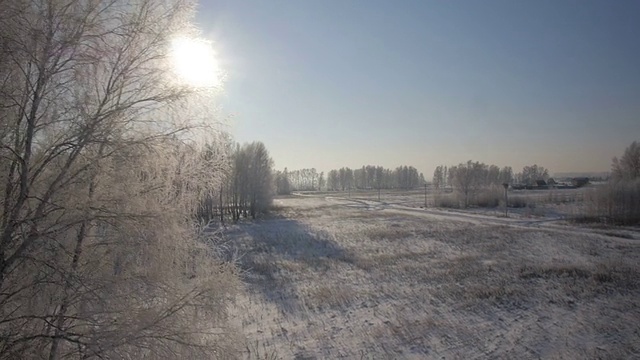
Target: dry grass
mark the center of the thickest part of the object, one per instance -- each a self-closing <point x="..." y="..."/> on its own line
<point x="607" y="277"/>
<point x="331" y="296"/>
<point x="257" y="351"/>
<point x="614" y="203"/>
<point x="360" y="283"/>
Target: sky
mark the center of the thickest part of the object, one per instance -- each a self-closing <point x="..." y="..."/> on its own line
<point x="335" y="83"/>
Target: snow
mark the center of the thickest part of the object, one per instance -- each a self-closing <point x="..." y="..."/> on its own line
<point x="332" y="277"/>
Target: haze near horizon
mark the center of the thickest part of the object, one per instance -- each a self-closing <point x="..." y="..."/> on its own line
<point x="333" y="84"/>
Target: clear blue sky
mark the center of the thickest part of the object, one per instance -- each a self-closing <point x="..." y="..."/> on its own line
<point x="337" y="83"/>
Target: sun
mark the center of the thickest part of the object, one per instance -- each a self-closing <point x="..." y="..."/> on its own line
<point x="195" y="63"/>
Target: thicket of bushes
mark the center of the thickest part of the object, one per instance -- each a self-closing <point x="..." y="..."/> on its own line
<point x="491" y="197"/>
<point x="616" y="203"/>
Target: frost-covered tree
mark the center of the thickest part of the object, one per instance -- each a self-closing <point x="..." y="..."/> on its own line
<point x="438" y="177"/>
<point x="252" y="181"/>
<point x="530" y="174"/>
<point x="618" y="201"/>
<point x="405" y="177"/>
<point x="102" y="172"/>
<point x="343" y="179"/>
<point x="304" y="179"/>
<point x="506" y="175"/>
<point x="283" y="187"/>
<point x="493" y="175"/>
<point x="628" y="166"/>
<point x="322" y="182"/>
<point x="333" y="180"/>
<point x="467" y="178"/>
<point x="348" y="178"/>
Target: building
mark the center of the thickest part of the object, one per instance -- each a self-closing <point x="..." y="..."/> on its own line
<point x="579" y="181"/>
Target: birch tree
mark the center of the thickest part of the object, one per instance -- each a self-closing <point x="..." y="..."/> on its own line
<point x="628" y="166"/>
<point x="532" y="173"/>
<point x="252" y="181"/>
<point x="468" y="178"/>
<point x="438" y="177"/>
<point x="100" y="254"/>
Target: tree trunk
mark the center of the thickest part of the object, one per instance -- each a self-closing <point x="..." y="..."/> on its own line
<point x="68" y="284"/>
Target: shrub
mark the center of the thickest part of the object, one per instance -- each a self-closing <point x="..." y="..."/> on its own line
<point x="517" y="201"/>
<point x="450" y="201"/>
<point x="617" y="203"/>
<point x="489" y="198"/>
<point x="554" y="197"/>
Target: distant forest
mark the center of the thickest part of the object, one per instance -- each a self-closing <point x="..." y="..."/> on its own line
<point x="403" y="177"/>
<point x="345" y="178"/>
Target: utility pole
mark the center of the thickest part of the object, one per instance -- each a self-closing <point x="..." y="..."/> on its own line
<point x="506" y="200"/>
<point x="425" y="195"/>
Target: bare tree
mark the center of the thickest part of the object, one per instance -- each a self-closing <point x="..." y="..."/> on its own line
<point x="252" y="181"/>
<point x="628" y="166"/>
<point x="468" y="178"/>
<point x="283" y="187"/>
<point x="261" y="182"/>
<point x="322" y="182"/>
<point x="404" y="177"/>
<point x="618" y="201"/>
<point x="532" y="173"/>
<point x="99" y="255"/>
<point x="333" y="180"/>
<point x="438" y="177"/>
<point x="506" y="175"/>
<point x="304" y="179"/>
<point x="344" y="177"/>
<point x="348" y="177"/>
<point x="493" y="175"/>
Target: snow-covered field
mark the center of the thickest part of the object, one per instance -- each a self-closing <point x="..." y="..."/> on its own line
<point x="330" y="277"/>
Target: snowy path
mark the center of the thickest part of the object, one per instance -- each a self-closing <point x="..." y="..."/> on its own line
<point x="551" y="224"/>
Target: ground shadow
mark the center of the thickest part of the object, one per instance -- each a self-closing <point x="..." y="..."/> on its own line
<point x="263" y="246"/>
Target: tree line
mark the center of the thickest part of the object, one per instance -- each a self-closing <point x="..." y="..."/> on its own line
<point x="345" y="178"/>
<point x="618" y="201"/>
<point x="299" y="180"/>
<point x="469" y="178"/>
<point x="443" y="176"/>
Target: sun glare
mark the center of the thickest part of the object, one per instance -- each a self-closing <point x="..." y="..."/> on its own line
<point x="195" y="62"/>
